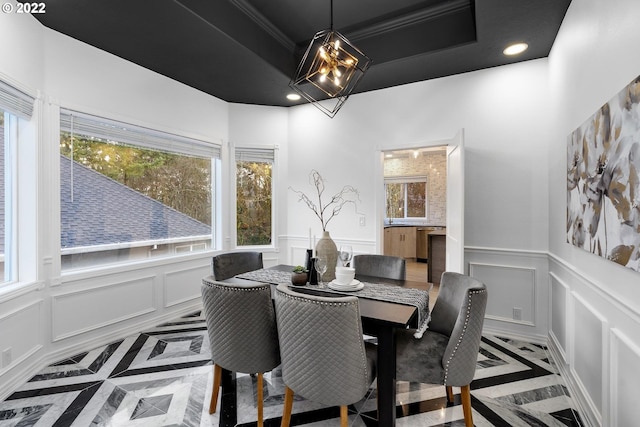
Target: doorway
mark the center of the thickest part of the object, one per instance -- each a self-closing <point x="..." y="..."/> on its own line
<point x="451" y="218"/>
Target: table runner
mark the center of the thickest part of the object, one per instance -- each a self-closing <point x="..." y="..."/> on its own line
<point x="378" y="291"/>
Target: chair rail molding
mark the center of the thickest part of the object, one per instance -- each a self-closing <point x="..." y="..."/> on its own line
<point x="592" y="283"/>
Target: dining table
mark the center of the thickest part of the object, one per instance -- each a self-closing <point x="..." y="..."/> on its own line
<point x="382" y="315"/>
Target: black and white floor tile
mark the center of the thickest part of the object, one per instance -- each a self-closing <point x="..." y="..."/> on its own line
<point x="163" y="377"/>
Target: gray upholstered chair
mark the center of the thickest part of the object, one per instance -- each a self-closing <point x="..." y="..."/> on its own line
<point x="447" y="352"/>
<point x="242" y="329"/>
<point x="391" y="267"/>
<point x="234" y="263"/>
<point x="324" y="358"/>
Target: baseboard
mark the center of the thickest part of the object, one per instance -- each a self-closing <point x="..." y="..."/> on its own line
<point x="20" y="374"/>
<point x="532" y="338"/>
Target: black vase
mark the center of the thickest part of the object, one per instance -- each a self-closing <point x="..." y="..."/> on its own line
<point x="311" y="267"/>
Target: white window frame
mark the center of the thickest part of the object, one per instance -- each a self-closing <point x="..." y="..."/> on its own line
<point x="10" y="257"/>
<point x="408" y="180"/>
<point x="89" y="125"/>
<point x="257" y="153"/>
<point x="18" y="107"/>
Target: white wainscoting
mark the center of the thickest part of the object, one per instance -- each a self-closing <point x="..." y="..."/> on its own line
<point x="183" y="285"/>
<point x="625" y="377"/>
<point x="518" y="290"/>
<point x="93" y="307"/>
<point x="20" y="334"/>
<point x="21" y="341"/>
<point x="595" y="342"/>
<point x="589" y="349"/>
<point x="90" y="308"/>
<point x="559" y="308"/>
<point x="515" y="289"/>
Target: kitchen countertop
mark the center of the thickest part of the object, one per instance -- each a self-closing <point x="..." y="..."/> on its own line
<point x="413" y="225"/>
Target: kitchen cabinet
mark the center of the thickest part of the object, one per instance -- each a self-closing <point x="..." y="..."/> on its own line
<point x="422" y="247"/>
<point x="437" y="244"/>
<point x="400" y="241"/>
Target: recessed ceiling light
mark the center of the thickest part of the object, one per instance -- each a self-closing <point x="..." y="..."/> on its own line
<point x="293" y="97"/>
<point x="388" y="155"/>
<point x="515" y="49"/>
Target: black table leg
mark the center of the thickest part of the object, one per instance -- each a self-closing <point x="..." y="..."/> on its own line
<point x="386" y="377"/>
<point x="228" y="400"/>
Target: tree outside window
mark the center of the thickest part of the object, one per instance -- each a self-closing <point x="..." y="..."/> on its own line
<point x="406" y="198"/>
<point x="178" y="181"/>
<point x="129" y="193"/>
<point x="253" y="202"/>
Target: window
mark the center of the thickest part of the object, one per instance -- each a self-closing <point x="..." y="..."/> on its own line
<point x="129" y="193"/>
<point x="406" y="197"/>
<point x="16" y="108"/>
<point x="254" y="195"/>
<point x="5" y="224"/>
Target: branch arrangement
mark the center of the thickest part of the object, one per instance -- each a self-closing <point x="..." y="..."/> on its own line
<point x="327" y="211"/>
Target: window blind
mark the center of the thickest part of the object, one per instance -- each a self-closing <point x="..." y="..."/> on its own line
<point x="265" y="155"/>
<point x="111" y="130"/>
<point x="15" y="101"/>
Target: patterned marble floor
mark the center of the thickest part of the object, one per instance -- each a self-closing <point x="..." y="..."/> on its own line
<point x="163" y="377"/>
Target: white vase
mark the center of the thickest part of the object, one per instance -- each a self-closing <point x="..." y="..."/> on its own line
<point x="326" y="248"/>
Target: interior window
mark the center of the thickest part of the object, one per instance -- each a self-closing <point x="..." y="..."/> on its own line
<point x="127" y="193"/>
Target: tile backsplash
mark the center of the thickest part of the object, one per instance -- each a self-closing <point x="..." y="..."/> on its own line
<point x="433" y="165"/>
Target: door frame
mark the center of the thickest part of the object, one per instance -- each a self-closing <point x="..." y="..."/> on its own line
<point x="456" y="141"/>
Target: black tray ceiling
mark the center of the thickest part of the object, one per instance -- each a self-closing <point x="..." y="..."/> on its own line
<point x="246" y="51"/>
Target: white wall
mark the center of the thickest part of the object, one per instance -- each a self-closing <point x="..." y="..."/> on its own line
<point x="505" y="116"/>
<point x="595" y="305"/>
<point x="52" y="316"/>
<point x="515" y="120"/>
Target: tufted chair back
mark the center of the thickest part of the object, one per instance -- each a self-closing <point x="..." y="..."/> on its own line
<point x="242" y="329"/>
<point x="324" y="358"/>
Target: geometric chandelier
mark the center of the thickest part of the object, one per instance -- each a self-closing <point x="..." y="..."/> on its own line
<point x="331" y="67"/>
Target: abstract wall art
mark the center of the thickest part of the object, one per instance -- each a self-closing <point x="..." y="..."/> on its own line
<point x="603" y="180"/>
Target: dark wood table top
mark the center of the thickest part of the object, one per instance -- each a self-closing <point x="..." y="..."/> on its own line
<point x="374" y="311"/>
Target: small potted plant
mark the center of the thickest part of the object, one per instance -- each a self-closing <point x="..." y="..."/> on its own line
<point x="299" y="276"/>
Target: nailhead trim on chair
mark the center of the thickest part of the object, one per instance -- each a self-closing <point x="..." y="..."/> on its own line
<point x="464" y="330"/>
<point x="319" y="302"/>
<point x="237" y="289"/>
